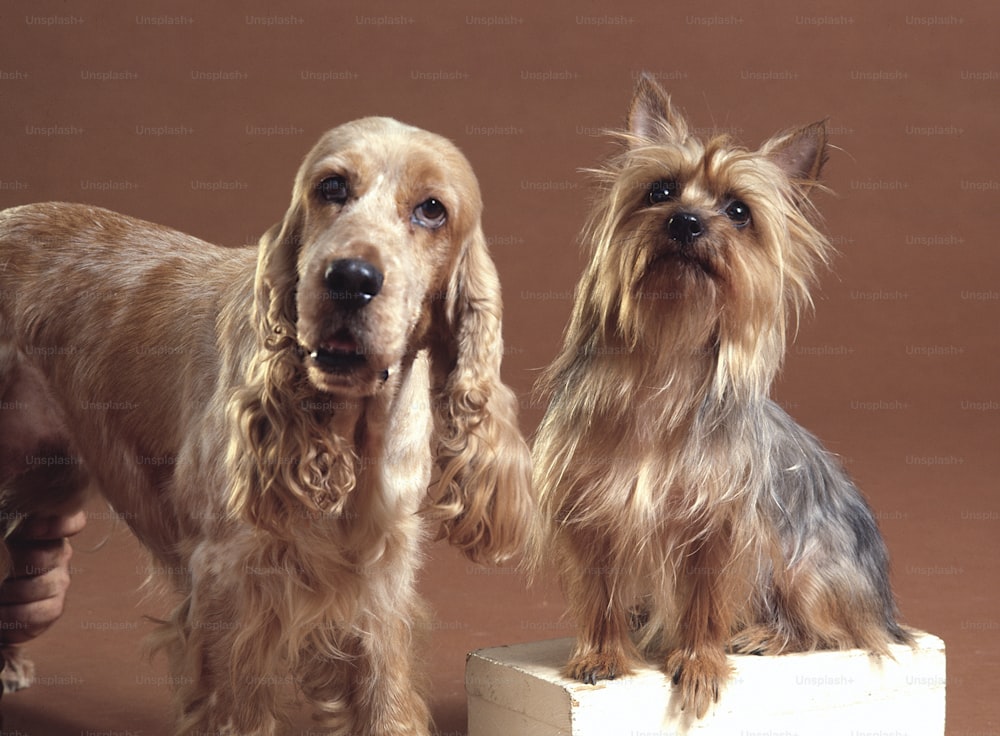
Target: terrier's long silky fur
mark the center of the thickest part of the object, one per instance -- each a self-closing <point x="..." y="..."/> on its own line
<point x="688" y="513"/>
<point x="266" y="419"/>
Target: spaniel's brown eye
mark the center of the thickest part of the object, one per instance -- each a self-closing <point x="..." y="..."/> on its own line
<point x="333" y="190"/>
<point x="430" y="214"/>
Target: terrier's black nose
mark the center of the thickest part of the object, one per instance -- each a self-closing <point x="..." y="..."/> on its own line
<point x="685" y="227"/>
<point x="352" y="282"/>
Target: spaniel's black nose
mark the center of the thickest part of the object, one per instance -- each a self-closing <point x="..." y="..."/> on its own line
<point x="352" y="282"/>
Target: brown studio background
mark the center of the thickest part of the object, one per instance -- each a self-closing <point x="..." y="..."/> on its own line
<point x="197" y="117"/>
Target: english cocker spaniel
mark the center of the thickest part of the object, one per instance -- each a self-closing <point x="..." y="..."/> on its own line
<point x="267" y="419"/>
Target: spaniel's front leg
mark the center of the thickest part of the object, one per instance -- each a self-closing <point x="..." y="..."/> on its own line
<point x="369" y="689"/>
<point x="226" y="648"/>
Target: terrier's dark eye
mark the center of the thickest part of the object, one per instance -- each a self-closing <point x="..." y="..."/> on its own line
<point x="739" y="213"/>
<point x="333" y="190"/>
<point x="662" y="191"/>
<point x="430" y="214"/>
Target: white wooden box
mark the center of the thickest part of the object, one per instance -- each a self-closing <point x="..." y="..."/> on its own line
<point x="517" y="690"/>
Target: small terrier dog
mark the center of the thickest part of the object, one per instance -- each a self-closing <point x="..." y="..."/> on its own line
<point x="683" y="505"/>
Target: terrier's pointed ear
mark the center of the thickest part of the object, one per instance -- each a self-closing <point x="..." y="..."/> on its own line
<point x="650" y="114"/>
<point x="800" y="153"/>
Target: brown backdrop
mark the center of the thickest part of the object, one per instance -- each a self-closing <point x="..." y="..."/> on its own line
<point x="197" y="117"/>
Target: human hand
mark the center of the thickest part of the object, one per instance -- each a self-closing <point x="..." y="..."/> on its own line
<point x="34" y="594"/>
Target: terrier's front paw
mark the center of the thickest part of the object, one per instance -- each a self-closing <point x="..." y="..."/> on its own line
<point x="594" y="666"/>
<point x="699" y="677"/>
<point x="759" y="639"/>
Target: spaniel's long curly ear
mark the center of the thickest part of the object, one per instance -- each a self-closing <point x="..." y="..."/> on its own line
<point x="282" y="456"/>
<point x="484" y="493"/>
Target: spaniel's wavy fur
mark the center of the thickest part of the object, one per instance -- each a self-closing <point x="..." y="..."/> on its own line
<point x="269" y="430"/>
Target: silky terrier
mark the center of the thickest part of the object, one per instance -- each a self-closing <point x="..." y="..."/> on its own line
<point x="689" y="515"/>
